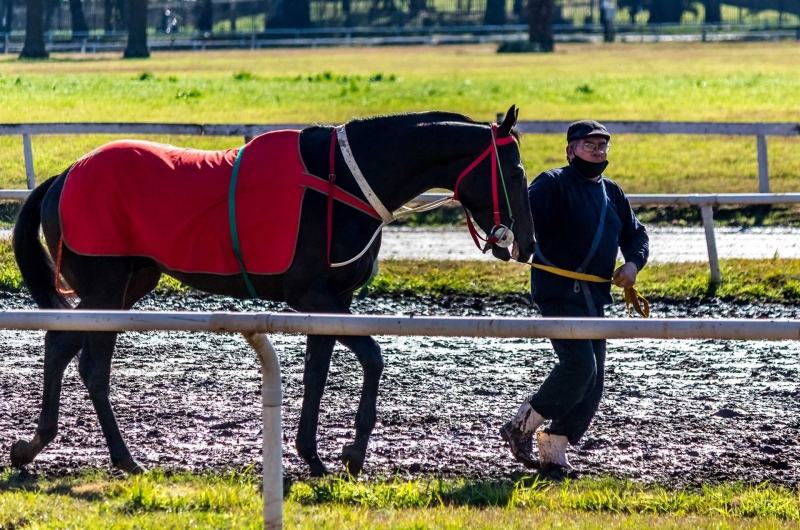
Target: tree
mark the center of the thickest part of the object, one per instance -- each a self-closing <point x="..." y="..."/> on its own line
<point x="137" y="31"/>
<point x="6" y="16"/>
<point x="290" y="14"/>
<point x="495" y="14"/>
<point x="713" y="11"/>
<point x="666" y="11"/>
<point x="108" y="16"/>
<point x="79" y="25"/>
<point x="205" y="16"/>
<point x="540" y="13"/>
<point x="34" y="31"/>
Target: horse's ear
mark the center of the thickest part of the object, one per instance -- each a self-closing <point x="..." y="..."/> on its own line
<point x="509" y="122"/>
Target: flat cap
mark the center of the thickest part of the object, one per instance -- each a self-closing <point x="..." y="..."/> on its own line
<point x="586" y="128"/>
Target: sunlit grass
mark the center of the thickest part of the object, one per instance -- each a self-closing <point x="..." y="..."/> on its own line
<point x="233" y="500"/>
<point x="714" y="82"/>
<point x="775" y="280"/>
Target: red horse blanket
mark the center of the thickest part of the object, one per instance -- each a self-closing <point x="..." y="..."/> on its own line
<point x="133" y="198"/>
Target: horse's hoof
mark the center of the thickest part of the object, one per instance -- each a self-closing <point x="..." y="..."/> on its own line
<point x="130" y="466"/>
<point x="20" y="453"/>
<point x="316" y="467"/>
<point x="353" y="459"/>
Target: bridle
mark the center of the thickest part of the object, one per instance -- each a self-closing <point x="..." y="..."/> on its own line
<point x="500" y="235"/>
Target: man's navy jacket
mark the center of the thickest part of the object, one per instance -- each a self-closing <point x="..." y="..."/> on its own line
<point x="566" y="211"/>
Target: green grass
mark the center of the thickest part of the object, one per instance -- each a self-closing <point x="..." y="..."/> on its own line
<point x="715" y="82"/>
<point x="774" y="280"/>
<point x="96" y="500"/>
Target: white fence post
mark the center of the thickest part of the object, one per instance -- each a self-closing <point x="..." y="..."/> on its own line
<point x="30" y="175"/>
<point x="272" y="447"/>
<point x="711" y="241"/>
<point x="763" y="164"/>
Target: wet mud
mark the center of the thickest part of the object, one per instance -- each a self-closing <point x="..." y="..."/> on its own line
<point x="675" y="412"/>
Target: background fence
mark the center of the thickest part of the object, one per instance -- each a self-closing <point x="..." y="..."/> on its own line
<point x="706" y="202"/>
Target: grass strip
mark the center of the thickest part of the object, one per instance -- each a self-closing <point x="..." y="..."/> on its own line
<point x="768" y="280"/>
<point x="773" y="280"/>
<point x="667" y="81"/>
<point x="156" y="500"/>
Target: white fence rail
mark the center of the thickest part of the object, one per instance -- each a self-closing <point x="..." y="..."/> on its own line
<point x="759" y="130"/>
<point x="255" y="326"/>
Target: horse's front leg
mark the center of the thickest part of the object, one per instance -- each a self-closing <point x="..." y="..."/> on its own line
<point x="369" y="355"/>
<point x="318" y="361"/>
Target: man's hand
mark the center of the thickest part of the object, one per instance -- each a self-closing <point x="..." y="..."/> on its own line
<point x="625" y="276"/>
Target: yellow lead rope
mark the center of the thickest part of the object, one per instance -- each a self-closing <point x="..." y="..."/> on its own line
<point x="632" y="297"/>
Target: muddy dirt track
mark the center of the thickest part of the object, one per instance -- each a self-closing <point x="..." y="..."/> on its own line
<point x="679" y="412"/>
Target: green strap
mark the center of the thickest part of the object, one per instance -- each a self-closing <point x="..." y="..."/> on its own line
<point x="232" y="220"/>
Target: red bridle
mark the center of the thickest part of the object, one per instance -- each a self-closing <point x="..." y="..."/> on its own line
<point x="491" y="150"/>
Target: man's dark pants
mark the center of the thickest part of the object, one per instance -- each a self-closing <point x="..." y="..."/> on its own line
<point x="571" y="393"/>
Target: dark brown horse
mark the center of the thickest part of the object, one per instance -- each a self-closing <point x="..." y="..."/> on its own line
<point x="400" y="157"/>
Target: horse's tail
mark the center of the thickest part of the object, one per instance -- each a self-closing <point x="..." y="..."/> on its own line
<point x="35" y="263"/>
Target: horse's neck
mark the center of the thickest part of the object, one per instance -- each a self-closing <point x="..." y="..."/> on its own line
<point x="433" y="159"/>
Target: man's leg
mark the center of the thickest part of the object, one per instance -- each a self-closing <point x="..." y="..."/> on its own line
<point x="565" y="387"/>
<point x="575" y="423"/>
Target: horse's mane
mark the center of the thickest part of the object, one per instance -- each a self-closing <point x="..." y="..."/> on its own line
<point x="420" y="117"/>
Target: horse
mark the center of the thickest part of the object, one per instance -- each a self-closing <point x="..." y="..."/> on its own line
<point x="381" y="164"/>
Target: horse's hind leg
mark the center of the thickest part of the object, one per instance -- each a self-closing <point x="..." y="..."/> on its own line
<point x="95" y="365"/>
<point x="95" y="369"/>
<point x="319" y="349"/>
<point x="60" y="347"/>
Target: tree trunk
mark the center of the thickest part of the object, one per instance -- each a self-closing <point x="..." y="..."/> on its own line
<point x="137" y="30"/>
<point x="608" y="13"/>
<point x="108" y="16"/>
<point x="415" y="7"/>
<point x="205" y="17"/>
<point x="346" y="12"/>
<point x="79" y="25"/>
<point x="540" y="13"/>
<point x="34" y="31"/>
<point x="7" y="17"/>
<point x="666" y="12"/>
<point x="495" y="14"/>
<point x="713" y="11"/>
<point x="291" y="14"/>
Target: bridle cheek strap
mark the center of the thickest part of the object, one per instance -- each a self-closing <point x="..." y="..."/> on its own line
<point x="491" y="150"/>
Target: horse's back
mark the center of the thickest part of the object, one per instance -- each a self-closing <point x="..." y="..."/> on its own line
<point x="136" y="198"/>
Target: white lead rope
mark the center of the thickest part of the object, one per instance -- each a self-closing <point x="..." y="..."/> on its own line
<point x="399" y="213"/>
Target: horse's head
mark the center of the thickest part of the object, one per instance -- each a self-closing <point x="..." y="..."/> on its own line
<point x="494" y="191"/>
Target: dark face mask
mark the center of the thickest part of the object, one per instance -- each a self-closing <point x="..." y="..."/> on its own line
<point x="588" y="170"/>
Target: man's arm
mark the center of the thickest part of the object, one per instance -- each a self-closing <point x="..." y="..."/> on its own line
<point x="633" y="242"/>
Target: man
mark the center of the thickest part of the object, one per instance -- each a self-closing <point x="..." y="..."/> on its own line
<point x="580" y="220"/>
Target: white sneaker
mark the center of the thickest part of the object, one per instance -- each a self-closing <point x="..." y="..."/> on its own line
<point x="552" y="451"/>
<point x="518" y="433"/>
